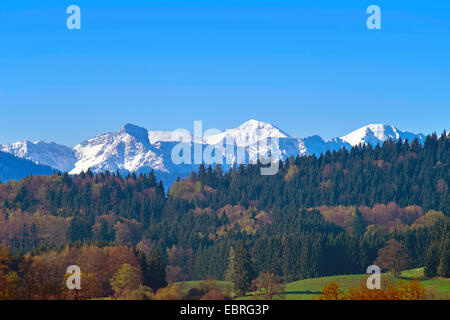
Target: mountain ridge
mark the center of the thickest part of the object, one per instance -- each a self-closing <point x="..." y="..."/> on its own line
<point x="135" y="149"/>
<point x="378" y="133"/>
<point x="15" y="168"/>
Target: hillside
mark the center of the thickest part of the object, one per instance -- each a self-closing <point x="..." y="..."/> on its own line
<point x="310" y="289"/>
<point x="13" y="168"/>
<point x="317" y="217"/>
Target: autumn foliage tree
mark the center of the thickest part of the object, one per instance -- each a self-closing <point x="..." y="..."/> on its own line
<point x="331" y="292"/>
<point x="357" y="200"/>
<point x="90" y="288"/>
<point x="125" y="280"/>
<point x="393" y="257"/>
<point x="172" y="292"/>
<point x="9" y="280"/>
<point x="412" y="290"/>
<point x="268" y="286"/>
<point x="43" y="274"/>
<point x="213" y="295"/>
<point x="211" y="290"/>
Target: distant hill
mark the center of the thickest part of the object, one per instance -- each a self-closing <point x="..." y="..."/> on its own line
<point x="14" y="168"/>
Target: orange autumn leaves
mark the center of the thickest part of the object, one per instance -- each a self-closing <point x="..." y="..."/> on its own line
<point x="412" y="290"/>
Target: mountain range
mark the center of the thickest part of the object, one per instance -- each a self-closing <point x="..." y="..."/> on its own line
<point x="14" y="168"/>
<point x="135" y="149"/>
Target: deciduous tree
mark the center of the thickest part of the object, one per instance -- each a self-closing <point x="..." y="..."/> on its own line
<point x="393" y="257"/>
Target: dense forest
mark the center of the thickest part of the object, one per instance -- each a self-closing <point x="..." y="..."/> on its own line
<point x="318" y="216"/>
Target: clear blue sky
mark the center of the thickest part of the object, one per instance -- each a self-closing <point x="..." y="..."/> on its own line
<point x="307" y="66"/>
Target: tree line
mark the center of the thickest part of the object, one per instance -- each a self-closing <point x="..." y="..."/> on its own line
<point x="318" y="216"/>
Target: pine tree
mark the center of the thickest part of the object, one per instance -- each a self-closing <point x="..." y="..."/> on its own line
<point x="243" y="271"/>
<point x="156" y="271"/>
<point x="358" y="226"/>
<point x="444" y="265"/>
<point x="432" y="261"/>
<point x="229" y="274"/>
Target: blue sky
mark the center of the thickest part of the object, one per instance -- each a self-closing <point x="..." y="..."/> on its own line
<point x="309" y="67"/>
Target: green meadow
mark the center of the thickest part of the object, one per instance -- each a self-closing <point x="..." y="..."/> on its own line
<point x="310" y="289"/>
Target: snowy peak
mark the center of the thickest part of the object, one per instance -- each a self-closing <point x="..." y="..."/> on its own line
<point x="248" y="133"/>
<point x="126" y="150"/>
<point x="135" y="149"/>
<point x="262" y="128"/>
<point x="378" y="133"/>
<point x="135" y="131"/>
<point x="372" y="133"/>
<point x="164" y="136"/>
<point x="50" y="154"/>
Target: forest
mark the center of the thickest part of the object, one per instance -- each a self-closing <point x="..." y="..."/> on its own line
<point x="319" y="216"/>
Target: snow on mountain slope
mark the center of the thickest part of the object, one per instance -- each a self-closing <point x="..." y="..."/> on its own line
<point x="255" y="137"/>
<point x="247" y="134"/>
<point x="315" y="145"/>
<point x="157" y="136"/>
<point x="169" y="136"/>
<point x="127" y="150"/>
<point x="135" y="149"/>
<point x="378" y="133"/>
<point x="50" y="154"/>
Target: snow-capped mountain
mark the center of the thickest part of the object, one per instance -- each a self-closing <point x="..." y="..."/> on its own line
<point x="247" y="134"/>
<point x="127" y="150"/>
<point x="378" y="133"/>
<point x="135" y="149"/>
<point x="132" y="149"/>
<point x="50" y="154"/>
<point x="255" y="138"/>
<point x="316" y="145"/>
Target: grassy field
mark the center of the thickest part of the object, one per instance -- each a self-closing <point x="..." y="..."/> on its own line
<point x="224" y="286"/>
<point x="310" y="289"/>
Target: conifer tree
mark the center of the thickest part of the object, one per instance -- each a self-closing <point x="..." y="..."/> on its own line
<point x="444" y="265"/>
<point x="432" y="261"/>
<point x="243" y="271"/>
<point x="156" y="271"/>
<point x="229" y="274"/>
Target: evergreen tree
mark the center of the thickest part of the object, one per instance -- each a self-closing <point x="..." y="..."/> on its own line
<point x="444" y="265"/>
<point x="243" y="271"/>
<point x="358" y="226"/>
<point x="229" y="274"/>
<point x="432" y="261"/>
<point x="156" y="271"/>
